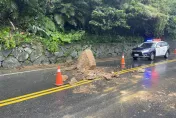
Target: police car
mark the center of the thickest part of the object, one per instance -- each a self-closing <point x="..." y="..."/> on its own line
<point x="151" y="49"/>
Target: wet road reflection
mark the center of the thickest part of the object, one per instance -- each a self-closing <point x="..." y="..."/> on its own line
<point x="150" y="78"/>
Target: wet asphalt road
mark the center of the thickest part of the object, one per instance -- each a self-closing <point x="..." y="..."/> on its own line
<point x="149" y="94"/>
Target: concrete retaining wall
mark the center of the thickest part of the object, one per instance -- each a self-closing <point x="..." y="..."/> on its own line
<point x="35" y="54"/>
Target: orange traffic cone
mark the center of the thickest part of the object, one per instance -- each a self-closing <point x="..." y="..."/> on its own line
<point x="59" y="81"/>
<point x="123" y="59"/>
<point x="175" y="51"/>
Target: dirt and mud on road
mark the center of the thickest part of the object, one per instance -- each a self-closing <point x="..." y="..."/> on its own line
<point x="140" y="101"/>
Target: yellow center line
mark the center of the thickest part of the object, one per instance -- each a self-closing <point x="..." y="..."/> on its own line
<point x="61" y="88"/>
<point x="109" y="89"/>
<point x="132" y="69"/>
<point x="42" y="94"/>
<point x="39" y="92"/>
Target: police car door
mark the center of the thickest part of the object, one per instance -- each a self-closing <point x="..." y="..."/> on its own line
<point x="163" y="48"/>
<point x="158" y="49"/>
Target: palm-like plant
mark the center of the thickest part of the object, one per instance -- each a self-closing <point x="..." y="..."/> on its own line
<point x="68" y="12"/>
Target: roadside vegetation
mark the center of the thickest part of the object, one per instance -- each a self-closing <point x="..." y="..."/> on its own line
<point x="56" y="22"/>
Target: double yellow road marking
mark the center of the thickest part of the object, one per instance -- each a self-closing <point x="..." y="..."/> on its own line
<point x="146" y="66"/>
<point x="65" y="87"/>
<point x="40" y="93"/>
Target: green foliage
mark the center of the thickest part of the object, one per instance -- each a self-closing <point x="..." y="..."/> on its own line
<point x="22" y="37"/>
<point x="58" y="38"/>
<point x="107" y="18"/>
<point x="170" y="30"/>
<point x="172" y="9"/>
<point x="37" y="24"/>
<point x="10" y="39"/>
<point x="68" y="12"/>
<point x="161" y="5"/>
<point x="52" y="18"/>
<point x="8" y="10"/>
<point x="92" y="38"/>
<point x="6" y="39"/>
<point x="146" y="18"/>
<point x="171" y="27"/>
<point x="73" y="36"/>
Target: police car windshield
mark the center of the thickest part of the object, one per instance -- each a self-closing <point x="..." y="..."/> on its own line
<point x="146" y="45"/>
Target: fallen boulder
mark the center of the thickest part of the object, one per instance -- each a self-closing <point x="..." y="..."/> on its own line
<point x="86" y="60"/>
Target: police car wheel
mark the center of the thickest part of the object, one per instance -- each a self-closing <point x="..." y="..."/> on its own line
<point x="152" y="56"/>
<point x="166" y="55"/>
<point x="135" y="58"/>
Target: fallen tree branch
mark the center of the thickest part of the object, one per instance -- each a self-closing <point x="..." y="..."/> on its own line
<point x="12" y="24"/>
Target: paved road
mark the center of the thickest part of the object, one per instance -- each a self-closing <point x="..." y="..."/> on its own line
<point x="149" y="94"/>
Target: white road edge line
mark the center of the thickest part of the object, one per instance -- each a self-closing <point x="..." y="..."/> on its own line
<point x="27" y="71"/>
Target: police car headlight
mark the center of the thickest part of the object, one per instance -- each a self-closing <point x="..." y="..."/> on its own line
<point x="146" y="51"/>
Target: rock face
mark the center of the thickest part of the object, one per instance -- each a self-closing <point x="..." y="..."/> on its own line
<point x="20" y="54"/>
<point x="6" y="53"/>
<point x="23" y="57"/>
<point x="1" y="57"/>
<point x="27" y="63"/>
<point x="36" y="53"/>
<point x="59" y="54"/>
<point x="52" y="60"/>
<point x="41" y="60"/>
<point x="74" y="54"/>
<point x="86" y="61"/>
<point x="28" y="50"/>
<point x="11" y="62"/>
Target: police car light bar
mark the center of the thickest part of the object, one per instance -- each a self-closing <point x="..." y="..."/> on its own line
<point x="156" y="39"/>
<point x="150" y="40"/>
